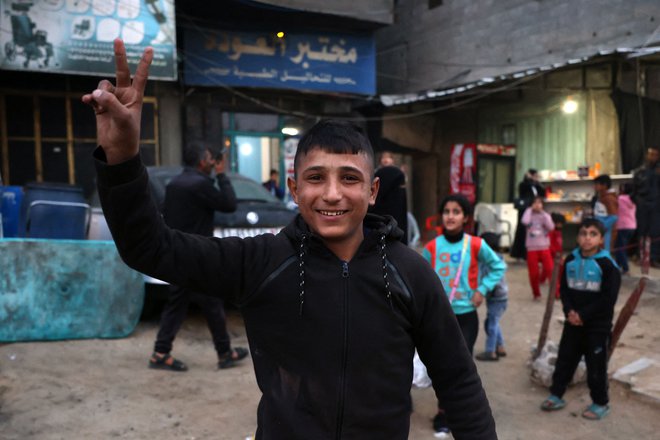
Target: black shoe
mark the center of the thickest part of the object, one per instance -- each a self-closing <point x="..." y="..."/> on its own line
<point x="487" y="356"/>
<point x="440" y="427"/>
<point x="232" y="357"/>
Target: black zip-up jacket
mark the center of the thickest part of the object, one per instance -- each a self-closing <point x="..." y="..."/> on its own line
<point x="590" y="286"/>
<point x="332" y="342"/>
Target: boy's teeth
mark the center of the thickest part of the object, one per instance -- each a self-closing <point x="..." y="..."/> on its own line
<point x="332" y="213"/>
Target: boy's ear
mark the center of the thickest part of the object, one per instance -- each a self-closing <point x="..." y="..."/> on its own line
<point x="293" y="188"/>
<point x="375" y="186"/>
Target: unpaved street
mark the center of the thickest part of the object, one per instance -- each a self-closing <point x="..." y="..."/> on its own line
<point x="102" y="389"/>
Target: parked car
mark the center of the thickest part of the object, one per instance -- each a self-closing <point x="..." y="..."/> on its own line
<point x="257" y="212"/>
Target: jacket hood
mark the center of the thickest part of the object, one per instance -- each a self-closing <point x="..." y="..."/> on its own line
<point x="378" y="231"/>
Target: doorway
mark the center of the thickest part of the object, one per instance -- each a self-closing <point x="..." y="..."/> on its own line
<point x="496" y="178"/>
<point x="255" y="156"/>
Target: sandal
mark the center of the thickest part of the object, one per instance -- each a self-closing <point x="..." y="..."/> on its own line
<point x="487" y="356"/>
<point x="501" y="352"/>
<point x="553" y="403"/>
<point x="232" y="357"/>
<point x="161" y="363"/>
<point x="596" y="412"/>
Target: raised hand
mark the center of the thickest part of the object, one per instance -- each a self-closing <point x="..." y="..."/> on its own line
<point x="119" y="108"/>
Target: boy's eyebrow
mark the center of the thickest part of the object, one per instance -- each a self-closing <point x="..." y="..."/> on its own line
<point x="345" y="168"/>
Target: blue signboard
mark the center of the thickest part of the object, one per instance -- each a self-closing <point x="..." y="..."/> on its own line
<point x="76" y="36"/>
<point x="323" y="61"/>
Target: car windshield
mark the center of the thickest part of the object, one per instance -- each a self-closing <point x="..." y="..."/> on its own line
<point x="251" y="190"/>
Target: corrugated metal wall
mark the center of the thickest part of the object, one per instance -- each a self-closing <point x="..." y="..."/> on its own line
<point x="545" y="137"/>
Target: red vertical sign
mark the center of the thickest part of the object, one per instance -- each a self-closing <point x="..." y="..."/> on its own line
<point x="463" y="168"/>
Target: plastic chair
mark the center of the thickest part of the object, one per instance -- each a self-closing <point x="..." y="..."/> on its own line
<point x="54" y="219"/>
<point x="487" y="220"/>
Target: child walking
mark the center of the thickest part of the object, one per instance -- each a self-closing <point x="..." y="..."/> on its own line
<point x="496" y="302"/>
<point x="456" y="258"/>
<point x="625" y="226"/>
<point x="589" y="289"/>
<point x="539" y="225"/>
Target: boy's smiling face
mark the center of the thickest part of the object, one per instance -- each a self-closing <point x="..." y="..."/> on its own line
<point x="333" y="192"/>
<point x="590" y="240"/>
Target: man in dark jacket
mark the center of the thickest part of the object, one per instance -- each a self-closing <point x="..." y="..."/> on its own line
<point x="646" y="195"/>
<point x="191" y="199"/>
<point x="334" y="305"/>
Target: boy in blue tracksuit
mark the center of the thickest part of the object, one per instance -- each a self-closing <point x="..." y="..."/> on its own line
<point x="456" y="258"/>
<point x="589" y="289"/>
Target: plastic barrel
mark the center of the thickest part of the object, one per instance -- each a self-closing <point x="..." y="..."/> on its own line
<point x="10" y="206"/>
<point x="49" y="216"/>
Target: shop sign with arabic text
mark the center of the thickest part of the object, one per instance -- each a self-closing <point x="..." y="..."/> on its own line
<point x="324" y="61"/>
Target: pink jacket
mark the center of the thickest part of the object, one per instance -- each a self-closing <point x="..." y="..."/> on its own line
<point x="627" y="211"/>
<point x="539" y="225"/>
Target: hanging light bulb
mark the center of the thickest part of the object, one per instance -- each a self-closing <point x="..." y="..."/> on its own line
<point x="569" y="106"/>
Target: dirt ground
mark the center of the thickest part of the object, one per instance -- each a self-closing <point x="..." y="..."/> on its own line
<point x="102" y="389"/>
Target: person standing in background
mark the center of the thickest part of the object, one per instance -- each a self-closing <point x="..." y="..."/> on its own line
<point x="625" y="226"/>
<point x="606" y="208"/>
<point x="538" y="224"/>
<point x="190" y="202"/>
<point x="496" y="303"/>
<point x="646" y="195"/>
<point x="528" y="189"/>
<point x="392" y="199"/>
<point x="273" y="184"/>
<point x="468" y="268"/>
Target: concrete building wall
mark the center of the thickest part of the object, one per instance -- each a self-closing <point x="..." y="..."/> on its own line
<point x="379" y="11"/>
<point x="170" y="127"/>
<point x="465" y="40"/>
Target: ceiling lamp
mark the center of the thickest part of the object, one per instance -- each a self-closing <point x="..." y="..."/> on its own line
<point x="569" y="106"/>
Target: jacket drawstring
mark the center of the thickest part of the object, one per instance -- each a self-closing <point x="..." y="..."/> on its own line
<point x="301" y="273"/>
<point x="383" y="256"/>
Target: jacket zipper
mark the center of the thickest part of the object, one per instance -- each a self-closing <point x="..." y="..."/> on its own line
<point x="342" y="378"/>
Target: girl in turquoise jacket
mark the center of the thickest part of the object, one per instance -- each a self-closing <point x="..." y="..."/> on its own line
<point x="456" y="257"/>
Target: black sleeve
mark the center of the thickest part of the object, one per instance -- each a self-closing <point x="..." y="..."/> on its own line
<point x="609" y="291"/>
<point x="566" y="299"/>
<point x="450" y="366"/>
<point x="147" y="245"/>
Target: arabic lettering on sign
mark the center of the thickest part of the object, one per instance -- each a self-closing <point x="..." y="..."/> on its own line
<point x="334" y="62"/>
<point x="235" y="48"/>
<point x="336" y="54"/>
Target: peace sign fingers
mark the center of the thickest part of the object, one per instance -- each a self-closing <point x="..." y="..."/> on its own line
<point x="121" y="64"/>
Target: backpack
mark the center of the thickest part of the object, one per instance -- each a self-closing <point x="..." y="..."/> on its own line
<point x="473" y="271"/>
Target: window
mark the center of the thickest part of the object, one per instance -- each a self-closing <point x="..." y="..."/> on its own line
<point x="49" y="137"/>
<point x="509" y="134"/>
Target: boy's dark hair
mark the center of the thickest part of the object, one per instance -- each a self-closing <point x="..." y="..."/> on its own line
<point x="492" y="240"/>
<point x="557" y="218"/>
<point x="605" y="180"/>
<point x="539" y="197"/>
<point x="532" y="171"/>
<point x="336" y="137"/>
<point x="590" y="221"/>
<point x="465" y="205"/>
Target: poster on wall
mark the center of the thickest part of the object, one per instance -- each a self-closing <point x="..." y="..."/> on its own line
<point x="463" y="168"/>
<point x="305" y="60"/>
<point x="76" y="36"/>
